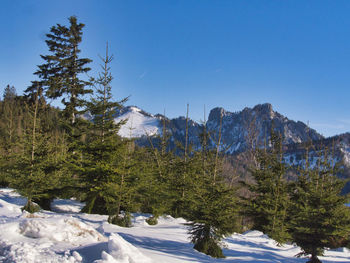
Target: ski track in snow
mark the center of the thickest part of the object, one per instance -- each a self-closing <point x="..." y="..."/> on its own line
<point x="70" y="236"/>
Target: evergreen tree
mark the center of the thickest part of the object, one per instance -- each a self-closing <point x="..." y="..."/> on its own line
<point x="34" y="172"/>
<point x="319" y="216"/>
<point x="214" y="211"/>
<point x="12" y="123"/>
<point x="215" y="205"/>
<point x="16" y="122"/>
<point x="9" y="93"/>
<point x="103" y="149"/>
<point x="60" y="75"/>
<point x="157" y="170"/>
<point x="270" y="201"/>
<point x="182" y="176"/>
<point x="10" y="112"/>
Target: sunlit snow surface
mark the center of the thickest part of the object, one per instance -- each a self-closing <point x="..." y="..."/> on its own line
<point x="137" y="124"/>
<point x="70" y="236"/>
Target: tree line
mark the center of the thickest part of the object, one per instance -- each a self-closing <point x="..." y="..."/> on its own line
<point x="47" y="152"/>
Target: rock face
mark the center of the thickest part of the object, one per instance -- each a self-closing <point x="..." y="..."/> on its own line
<point x="253" y="126"/>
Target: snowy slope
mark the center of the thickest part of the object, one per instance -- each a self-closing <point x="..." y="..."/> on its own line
<point x="75" y="237"/>
<point x="137" y="124"/>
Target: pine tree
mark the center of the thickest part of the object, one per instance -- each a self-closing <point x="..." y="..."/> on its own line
<point x="319" y="217"/>
<point x="34" y="172"/>
<point x="60" y="76"/>
<point x="215" y="205"/>
<point x="9" y="93"/>
<point x="157" y="170"/>
<point x="10" y="114"/>
<point x="182" y="176"/>
<point x="270" y="201"/>
<point x="103" y="150"/>
<point x="12" y="123"/>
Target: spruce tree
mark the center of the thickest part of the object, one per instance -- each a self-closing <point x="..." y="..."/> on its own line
<point x="157" y="170"/>
<point x="103" y="150"/>
<point x="13" y="123"/>
<point x="61" y="77"/>
<point x="214" y="205"/>
<point x="319" y="216"/>
<point x="61" y="73"/>
<point x="10" y="116"/>
<point x="270" y="194"/>
<point x="182" y="176"/>
<point x="35" y="171"/>
<point x="9" y="93"/>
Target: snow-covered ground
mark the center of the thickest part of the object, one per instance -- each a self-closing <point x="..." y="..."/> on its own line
<point x="69" y="236"/>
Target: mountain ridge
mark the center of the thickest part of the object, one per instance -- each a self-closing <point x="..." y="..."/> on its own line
<point x="236" y="126"/>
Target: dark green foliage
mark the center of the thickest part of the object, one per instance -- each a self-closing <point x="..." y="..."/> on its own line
<point x="214" y="213"/>
<point x="60" y="75"/>
<point x="318" y="214"/>
<point x="182" y="181"/>
<point x="95" y="203"/>
<point x="206" y="240"/>
<point x="44" y="201"/>
<point x="270" y="201"/>
<point x="153" y="220"/>
<point x="11" y="115"/>
<point x="16" y="136"/>
<point x="123" y="220"/>
<point x="214" y="205"/>
<point x="31" y="207"/>
<point x="156" y="165"/>
<point x="105" y="166"/>
<point x="35" y="169"/>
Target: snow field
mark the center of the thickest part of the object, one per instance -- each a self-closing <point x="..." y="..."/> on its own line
<point x="74" y="237"/>
<point x="137" y="124"/>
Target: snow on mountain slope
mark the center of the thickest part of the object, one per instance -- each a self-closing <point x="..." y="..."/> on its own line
<point x="82" y="238"/>
<point x="138" y="123"/>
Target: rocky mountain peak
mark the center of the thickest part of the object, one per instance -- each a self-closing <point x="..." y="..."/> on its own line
<point x="215" y="114"/>
<point x="264" y="110"/>
<point x="258" y="121"/>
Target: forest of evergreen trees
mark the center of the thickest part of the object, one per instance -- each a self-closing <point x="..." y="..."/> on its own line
<point x="48" y="153"/>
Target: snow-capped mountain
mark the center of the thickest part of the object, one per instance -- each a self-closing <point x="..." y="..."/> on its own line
<point x="237" y="132"/>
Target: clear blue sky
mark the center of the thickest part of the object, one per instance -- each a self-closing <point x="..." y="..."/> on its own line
<point x="293" y="54"/>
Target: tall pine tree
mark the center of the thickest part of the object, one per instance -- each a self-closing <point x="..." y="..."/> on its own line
<point x="100" y="170"/>
<point x="61" y="77"/>
<point x="61" y="74"/>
